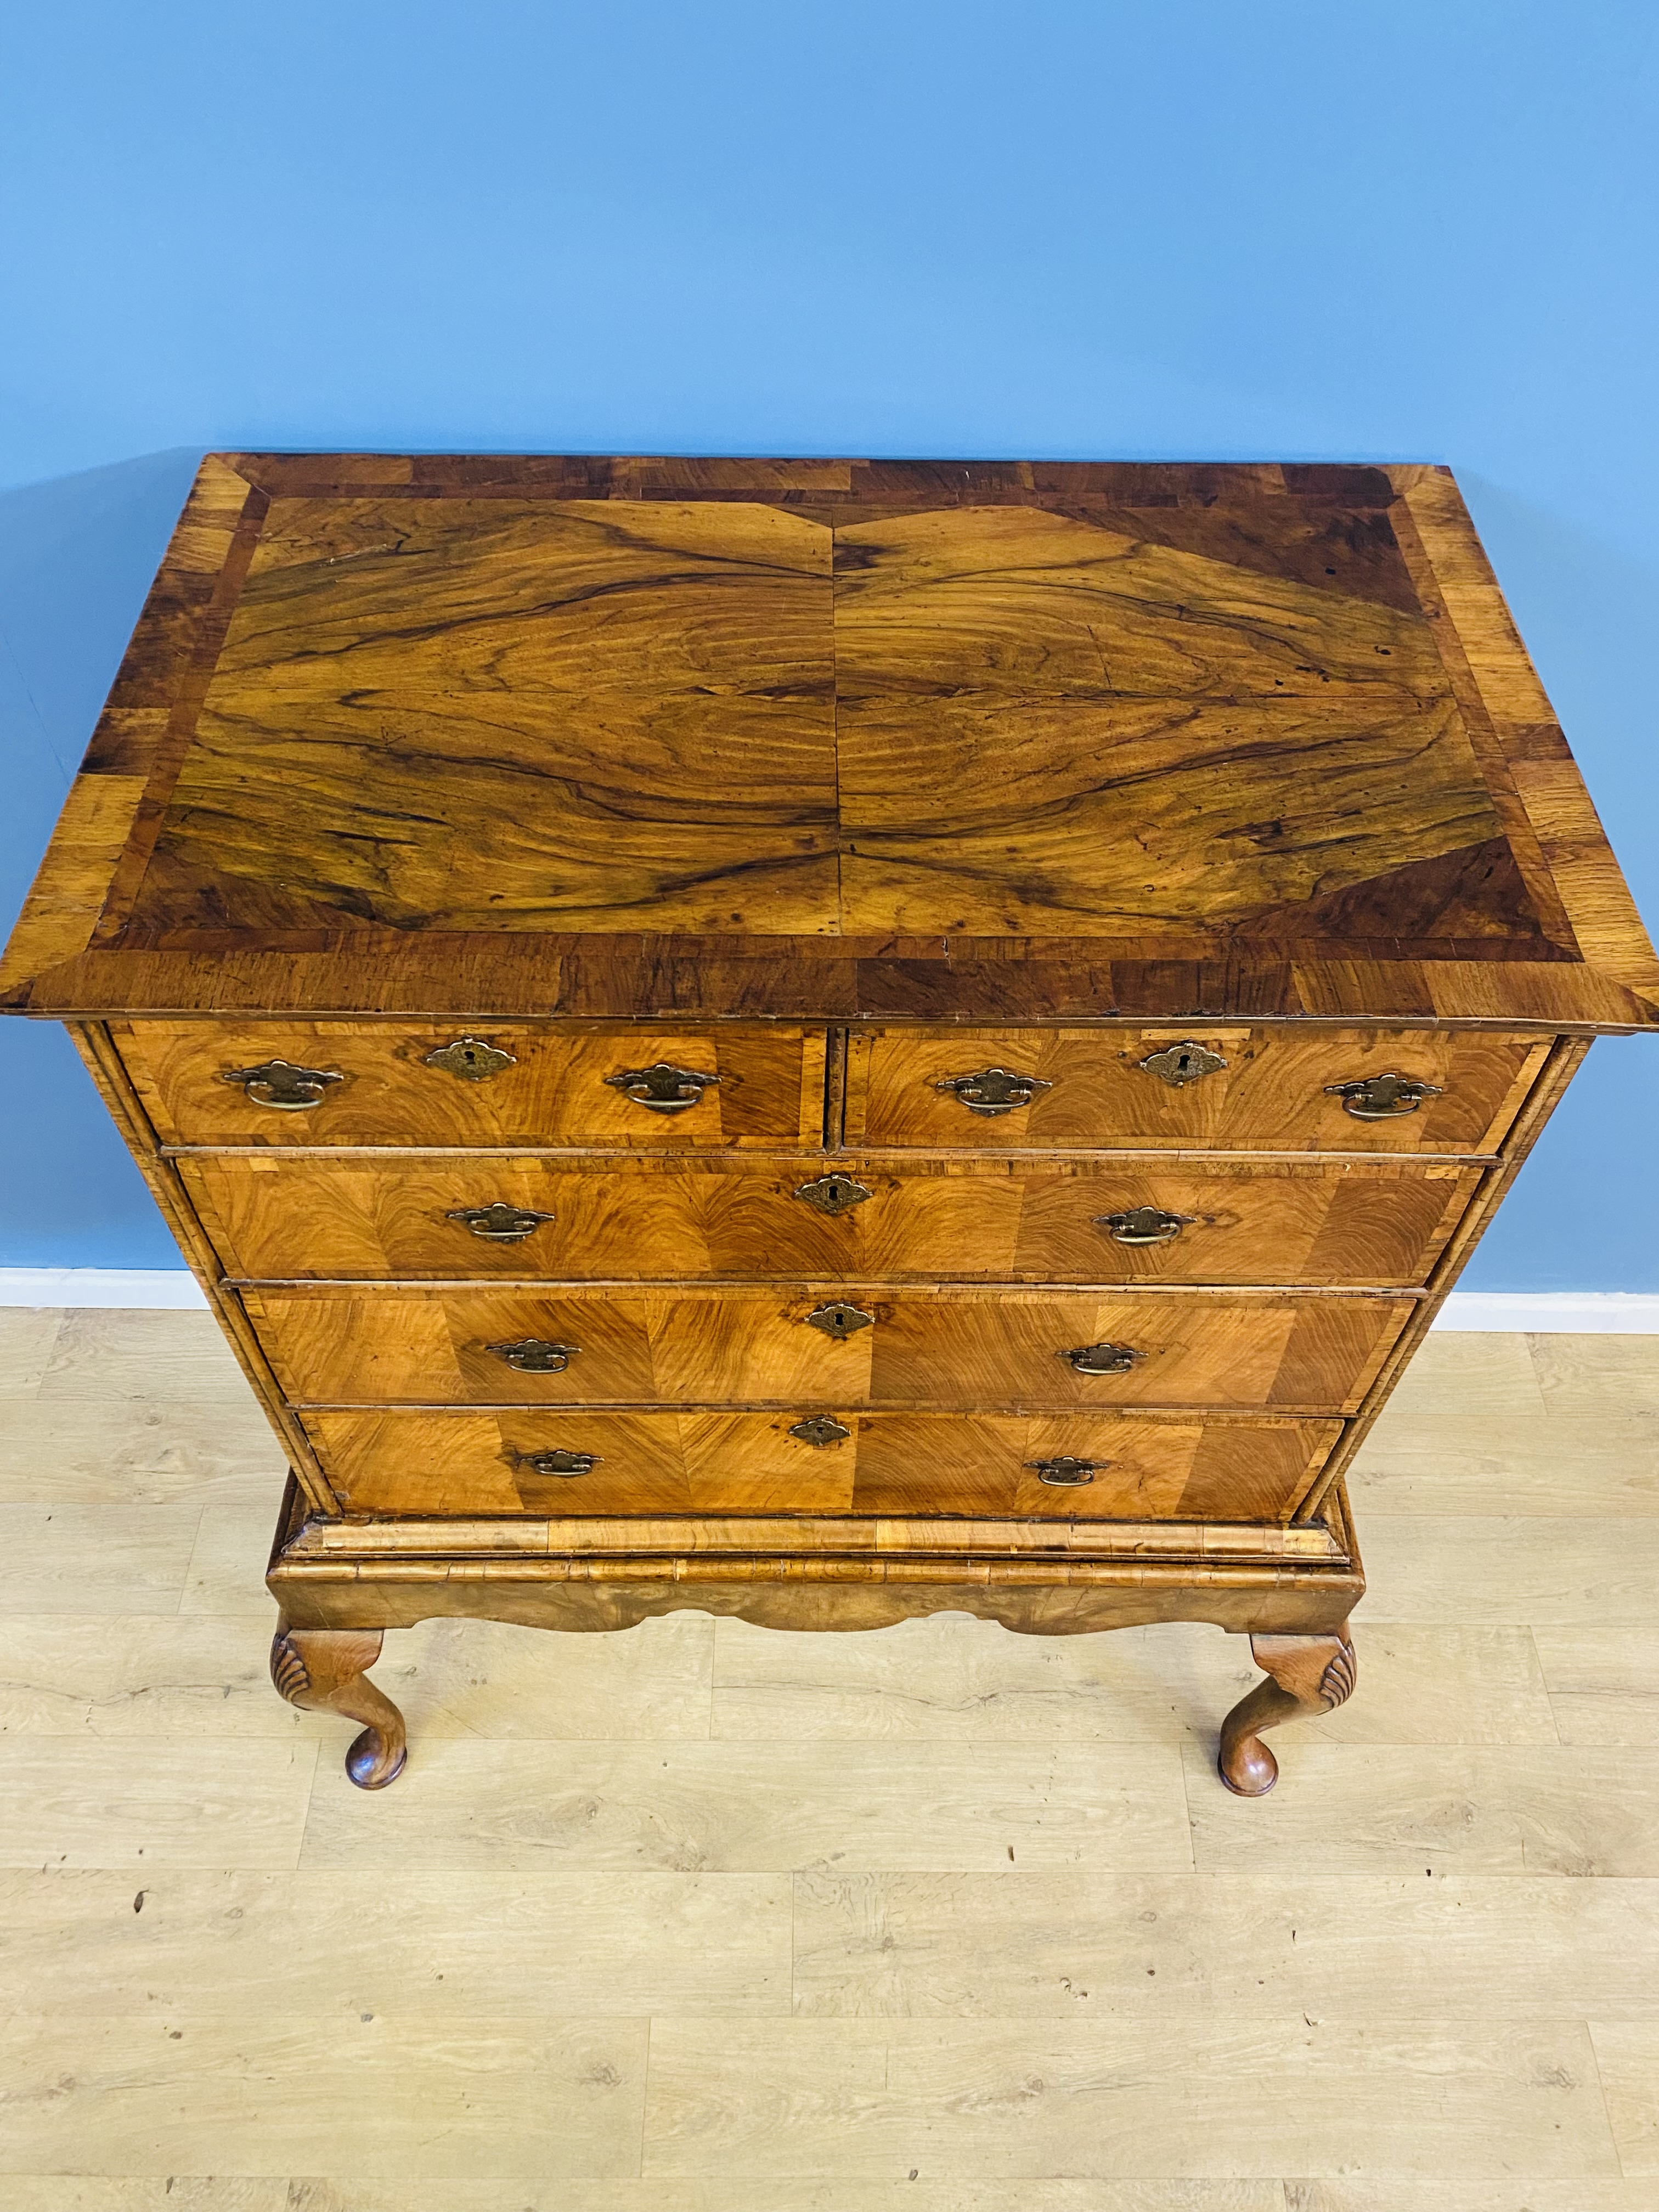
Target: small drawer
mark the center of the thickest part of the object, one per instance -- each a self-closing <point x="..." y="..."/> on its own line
<point x="399" y="1083"/>
<point x="1288" y="1089"/>
<point x="1319" y="1223"/>
<point x="958" y="1346"/>
<point x="1058" y="1468"/>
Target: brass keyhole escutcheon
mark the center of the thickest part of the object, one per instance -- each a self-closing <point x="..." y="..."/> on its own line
<point x="992" y="1090"/>
<point x="280" y="1083"/>
<point x="1067" y="1473"/>
<point x="558" y="1462"/>
<point x="1178" y="1065"/>
<point x="499" y="1223"/>
<point x="841" y="1320"/>
<point x="819" y="1431"/>
<point x="661" y="1088"/>
<point x="1102" y="1359"/>
<point x="534" y="1355"/>
<point x="1145" y="1225"/>
<point x="833" y="1195"/>
<point x="1382" y="1097"/>
<point x="471" y="1059"/>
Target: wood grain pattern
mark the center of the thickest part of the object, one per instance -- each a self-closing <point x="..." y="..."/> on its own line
<point x="1160" y="699"/>
<point x="1270" y="1094"/>
<point x="659" y="1464"/>
<point x="1047" y="725"/>
<point x="469" y="714"/>
<point x="952" y="1345"/>
<point x="769" y="1089"/>
<point x="1325" y="1222"/>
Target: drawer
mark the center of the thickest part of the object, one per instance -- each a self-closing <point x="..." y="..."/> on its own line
<point x="1211" y="1089"/>
<point x="952" y="1347"/>
<point x="401" y="1083"/>
<point x="1132" y="1467"/>
<point x="1321" y="1223"/>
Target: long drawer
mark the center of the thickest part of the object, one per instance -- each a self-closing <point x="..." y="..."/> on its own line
<point x="1321" y="1223"/>
<point x="1052" y="1468"/>
<point x="949" y="1346"/>
<point x="1287" y="1089"/>
<point x="408" y="1082"/>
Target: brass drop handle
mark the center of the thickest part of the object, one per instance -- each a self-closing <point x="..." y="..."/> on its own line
<point x="1100" y="1359"/>
<point x="819" y="1431"/>
<point x="499" y="1223"/>
<point x="1067" y="1473"/>
<point x="1382" y="1097"/>
<point x="992" y="1090"/>
<point x="280" y="1083"/>
<point x="839" y="1320"/>
<point x="1145" y="1225"/>
<point x="558" y="1462"/>
<point x="471" y="1059"/>
<point x="534" y="1355"/>
<point x="661" y="1088"/>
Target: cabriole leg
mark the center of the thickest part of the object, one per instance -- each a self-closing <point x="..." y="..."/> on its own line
<point x="321" y="1670"/>
<point x="1306" y="1674"/>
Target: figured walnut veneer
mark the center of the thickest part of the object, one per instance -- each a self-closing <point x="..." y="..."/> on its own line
<point x="825" y="1040"/>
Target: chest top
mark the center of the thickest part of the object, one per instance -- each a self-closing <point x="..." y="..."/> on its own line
<point x="620" y="737"/>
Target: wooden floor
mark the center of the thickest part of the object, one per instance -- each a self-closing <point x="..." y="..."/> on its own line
<point x="705" y="1918"/>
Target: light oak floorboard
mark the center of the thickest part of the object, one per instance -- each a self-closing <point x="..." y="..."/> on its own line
<point x="1509" y="1568"/>
<point x="1514" y="1808"/>
<point x="488" y="1680"/>
<point x="521" y="1947"/>
<point x="789" y="2195"/>
<point x="953" y="1679"/>
<point x="1627" y="2052"/>
<point x="27" y="1334"/>
<point x="139" y="1451"/>
<point x="133" y="1352"/>
<point x="144" y="1803"/>
<point x="227" y="1572"/>
<point x="1467" y="1464"/>
<point x="199" y="1677"/>
<point x="1580" y="1377"/>
<point x="759" y="1809"/>
<point x="1603" y="1687"/>
<point x="1037" y="2097"/>
<point x="96" y="1559"/>
<point x="1417" y="2192"/>
<point x="1459" y="1372"/>
<point x="173" y="2192"/>
<point x="1153" y="1947"/>
<point x="430" y="2094"/>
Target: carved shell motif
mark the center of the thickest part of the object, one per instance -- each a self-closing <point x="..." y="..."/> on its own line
<point x="1336" y="1683"/>
<point x="288" y="1669"/>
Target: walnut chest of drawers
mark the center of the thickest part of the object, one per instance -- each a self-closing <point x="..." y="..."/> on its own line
<point x="825" y="1040"/>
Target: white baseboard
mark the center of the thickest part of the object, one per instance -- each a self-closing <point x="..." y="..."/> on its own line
<point x="1573" y="1313"/>
<point x="1589" y="1313"/>
<point x="99" y="1287"/>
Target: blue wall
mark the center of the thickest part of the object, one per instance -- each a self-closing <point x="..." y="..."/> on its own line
<point x="1398" y="230"/>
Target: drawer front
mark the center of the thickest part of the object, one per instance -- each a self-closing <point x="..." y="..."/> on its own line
<point x="1270" y="1089"/>
<point x="1325" y="1222"/>
<point x="395" y="1083"/>
<point x="959" y="1347"/>
<point x="922" y="1465"/>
